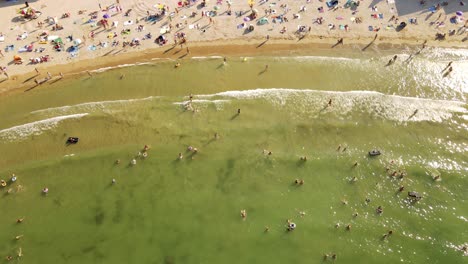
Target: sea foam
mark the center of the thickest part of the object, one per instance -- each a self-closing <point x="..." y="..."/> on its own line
<point x="34" y="128"/>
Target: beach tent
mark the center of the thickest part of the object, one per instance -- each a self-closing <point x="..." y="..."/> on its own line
<point x="262" y="21"/>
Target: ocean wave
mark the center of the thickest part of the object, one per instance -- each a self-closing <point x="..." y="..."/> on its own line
<point x="104" y="69"/>
<point x="314" y="102"/>
<point x="202" y="101"/>
<point x="35" y="128"/>
<point x="206" y="57"/>
<point x="89" y="106"/>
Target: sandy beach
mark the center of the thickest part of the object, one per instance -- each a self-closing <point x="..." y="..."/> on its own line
<point x="92" y="34"/>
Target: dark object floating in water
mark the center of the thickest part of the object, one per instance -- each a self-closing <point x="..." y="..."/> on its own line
<point x="414" y="195"/>
<point x="374" y="152"/>
<point x="72" y="140"/>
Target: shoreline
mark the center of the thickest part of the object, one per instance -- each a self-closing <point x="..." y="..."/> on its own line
<point x="311" y="45"/>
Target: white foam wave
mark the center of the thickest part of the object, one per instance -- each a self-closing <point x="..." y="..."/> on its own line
<point x="316" y="58"/>
<point x="35" y="128"/>
<point x="202" y="101"/>
<point x="89" y="106"/>
<point x="313" y="102"/>
<point x="120" y="66"/>
<point x="206" y="57"/>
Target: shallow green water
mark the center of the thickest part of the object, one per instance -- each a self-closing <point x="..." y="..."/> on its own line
<point x="166" y="210"/>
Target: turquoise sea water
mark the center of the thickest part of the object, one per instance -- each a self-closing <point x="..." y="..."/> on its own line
<point x="170" y="210"/>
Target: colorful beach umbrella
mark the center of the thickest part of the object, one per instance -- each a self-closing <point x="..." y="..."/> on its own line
<point x="106" y="16"/>
<point x="459" y="13"/>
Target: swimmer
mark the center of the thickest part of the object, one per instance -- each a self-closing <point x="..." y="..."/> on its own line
<point x="89" y="73"/>
<point x="345" y="148"/>
<point x="334" y="256"/>
<point x="348" y="227"/>
<point x="296" y="181"/>
<point x="344" y="202"/>
<point x="216" y="135"/>
<point x="301" y="182"/>
<point x="8" y="258"/>
<point x="114" y="181"/>
<point x="401" y="188"/>
<point x="18" y="237"/>
<point x="61" y="75"/>
<point x="133" y="162"/>
<point x="355" y="164"/>
<point x="267" y="229"/>
<point x="368" y="200"/>
<point x="224" y="59"/>
<point x="3" y="183"/>
<point x="354" y="179"/>
<point x="337" y="225"/>
<point x="304" y="158"/>
<point x="117" y="161"/>
<point x="436" y="178"/>
<point x="195" y="150"/>
<point x="177" y="65"/>
<point x="266" y="67"/>
<point x="145" y="154"/>
<point x="45" y="190"/>
<point x="19" y="220"/>
<point x="181" y="156"/>
<point x="20" y="252"/>
<point x="270" y="153"/>
<point x="325" y="256"/>
<point x="243" y="214"/>
<point x="379" y="210"/>
<point x="355" y="214"/>
<point x="330" y="102"/>
<point x="190" y="148"/>
<point x="238" y="111"/>
<point x="302" y="213"/>
<point x="122" y="76"/>
<point x="146" y="147"/>
<point x="13" y="177"/>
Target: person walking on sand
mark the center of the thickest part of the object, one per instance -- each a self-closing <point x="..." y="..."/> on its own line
<point x="37" y="71"/>
<point x="61" y="75"/>
<point x="1" y="54"/>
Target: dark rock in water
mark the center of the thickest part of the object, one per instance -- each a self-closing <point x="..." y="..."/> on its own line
<point x="414" y="195"/>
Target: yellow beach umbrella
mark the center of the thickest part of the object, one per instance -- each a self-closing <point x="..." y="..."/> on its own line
<point x="251" y="2"/>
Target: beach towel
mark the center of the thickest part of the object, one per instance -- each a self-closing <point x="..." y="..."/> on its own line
<point x="339" y="17"/>
<point x="9" y="48"/>
<point x="371" y="28"/>
<point x="381" y="16"/>
<point x="128" y="23"/>
<point x="191" y="26"/>
<point x="50" y="38"/>
<point x="92" y="48"/>
<point x="2" y="38"/>
<point x="432" y="9"/>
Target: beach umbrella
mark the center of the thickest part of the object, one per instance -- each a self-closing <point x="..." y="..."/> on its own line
<point x="77" y="41"/>
<point x="106" y="16"/>
<point x="459" y="13"/>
